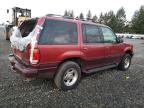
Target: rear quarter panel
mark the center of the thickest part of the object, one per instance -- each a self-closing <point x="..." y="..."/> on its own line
<point x="52" y="55"/>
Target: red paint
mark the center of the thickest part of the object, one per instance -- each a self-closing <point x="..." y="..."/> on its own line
<point x="50" y="56"/>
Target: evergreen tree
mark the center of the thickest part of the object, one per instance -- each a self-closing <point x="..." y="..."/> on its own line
<point x="116" y="22"/>
<point x="81" y="16"/>
<point x="100" y="20"/>
<point x="89" y="15"/>
<point x="138" y="21"/>
<point x="111" y="20"/>
<point x="71" y="14"/>
<point x="77" y="17"/>
<point x="94" y="19"/>
<point x="66" y="13"/>
<point x="121" y="19"/>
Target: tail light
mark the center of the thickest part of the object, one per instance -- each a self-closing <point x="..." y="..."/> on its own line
<point x="34" y="56"/>
<point x="34" y="51"/>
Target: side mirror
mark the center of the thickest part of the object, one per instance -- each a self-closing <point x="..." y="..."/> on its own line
<point x="120" y="40"/>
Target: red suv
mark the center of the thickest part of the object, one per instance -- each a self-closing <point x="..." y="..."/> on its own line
<point x="63" y="48"/>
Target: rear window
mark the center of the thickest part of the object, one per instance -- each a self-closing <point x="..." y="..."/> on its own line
<point x="27" y="26"/>
<point x="58" y="32"/>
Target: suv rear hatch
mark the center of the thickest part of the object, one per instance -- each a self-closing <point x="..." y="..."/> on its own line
<point x="25" y="28"/>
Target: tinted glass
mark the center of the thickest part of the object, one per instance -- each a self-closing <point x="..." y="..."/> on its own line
<point x="91" y="34"/>
<point x="109" y="36"/>
<point x="58" y="32"/>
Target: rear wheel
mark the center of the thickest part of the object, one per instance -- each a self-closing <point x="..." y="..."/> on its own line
<point x="68" y="75"/>
<point x="125" y="62"/>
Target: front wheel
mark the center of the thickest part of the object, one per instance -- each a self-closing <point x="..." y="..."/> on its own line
<point x="68" y="75"/>
<point x="125" y="62"/>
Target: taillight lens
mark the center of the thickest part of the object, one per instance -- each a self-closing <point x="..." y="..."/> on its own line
<point x="34" y="56"/>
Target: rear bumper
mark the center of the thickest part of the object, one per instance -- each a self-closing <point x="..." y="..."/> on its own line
<point x="29" y="71"/>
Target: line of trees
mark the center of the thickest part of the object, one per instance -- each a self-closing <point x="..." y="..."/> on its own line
<point x="117" y="21"/>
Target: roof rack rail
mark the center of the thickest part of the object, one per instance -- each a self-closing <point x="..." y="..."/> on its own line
<point x="54" y="15"/>
<point x="68" y="17"/>
<point x="80" y="19"/>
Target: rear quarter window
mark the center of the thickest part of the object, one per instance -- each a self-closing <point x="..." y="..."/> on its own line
<point x="58" y="32"/>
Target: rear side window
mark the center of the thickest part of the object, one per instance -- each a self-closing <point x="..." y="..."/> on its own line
<point x="58" y="32"/>
<point x="91" y="34"/>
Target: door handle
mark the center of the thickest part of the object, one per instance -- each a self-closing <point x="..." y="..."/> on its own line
<point x="107" y="47"/>
<point x="84" y="48"/>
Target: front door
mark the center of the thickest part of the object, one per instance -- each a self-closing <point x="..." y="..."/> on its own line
<point x="112" y="47"/>
<point x="92" y="48"/>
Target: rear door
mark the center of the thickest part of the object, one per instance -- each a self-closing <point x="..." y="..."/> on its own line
<point x="92" y="48"/>
<point x="113" y="49"/>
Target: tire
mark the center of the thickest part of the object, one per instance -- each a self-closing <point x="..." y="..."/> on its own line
<point x="122" y="65"/>
<point x="68" y="76"/>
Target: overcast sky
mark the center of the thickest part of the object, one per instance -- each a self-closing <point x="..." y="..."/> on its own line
<point x="42" y="7"/>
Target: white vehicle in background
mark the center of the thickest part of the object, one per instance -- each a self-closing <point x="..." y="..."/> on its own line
<point x="120" y="35"/>
<point x="135" y="37"/>
<point x="130" y="36"/>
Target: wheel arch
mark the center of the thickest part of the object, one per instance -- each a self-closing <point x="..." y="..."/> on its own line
<point x="128" y="51"/>
<point x="77" y="60"/>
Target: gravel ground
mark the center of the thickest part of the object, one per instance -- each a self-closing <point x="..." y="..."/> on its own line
<point x="105" y="89"/>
